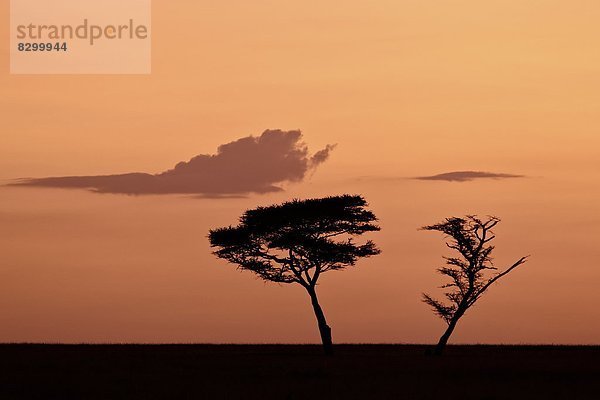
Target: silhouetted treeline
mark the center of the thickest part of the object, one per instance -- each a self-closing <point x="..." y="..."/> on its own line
<point x="297" y="241"/>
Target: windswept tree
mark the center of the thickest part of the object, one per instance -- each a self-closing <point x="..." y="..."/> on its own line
<point x="470" y="272"/>
<point x="298" y="241"/>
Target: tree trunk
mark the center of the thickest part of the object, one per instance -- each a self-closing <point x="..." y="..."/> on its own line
<point x="439" y="348"/>
<point x="324" y="329"/>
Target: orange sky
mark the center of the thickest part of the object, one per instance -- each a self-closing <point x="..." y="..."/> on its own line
<point x="404" y="88"/>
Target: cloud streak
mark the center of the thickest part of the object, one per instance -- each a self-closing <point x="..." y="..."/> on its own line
<point x="465" y="176"/>
<point x="248" y="165"/>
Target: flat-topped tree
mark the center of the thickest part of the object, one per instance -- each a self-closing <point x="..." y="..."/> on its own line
<point x="297" y="241"/>
<point x="470" y="237"/>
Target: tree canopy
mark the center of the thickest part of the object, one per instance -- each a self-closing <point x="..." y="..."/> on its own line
<point x="470" y="237"/>
<point x="296" y="241"/>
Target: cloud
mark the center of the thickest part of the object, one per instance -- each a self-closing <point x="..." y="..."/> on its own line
<point x="464" y="176"/>
<point x="248" y="165"/>
<point x="321" y="156"/>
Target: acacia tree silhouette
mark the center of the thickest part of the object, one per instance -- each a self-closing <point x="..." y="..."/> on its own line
<point x="297" y="241"/>
<point x="469" y="236"/>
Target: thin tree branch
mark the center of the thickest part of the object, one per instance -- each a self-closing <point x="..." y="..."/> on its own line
<point x="522" y="260"/>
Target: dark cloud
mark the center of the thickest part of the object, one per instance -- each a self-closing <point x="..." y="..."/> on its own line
<point x="248" y="165"/>
<point x="464" y="176"/>
<point x="321" y="155"/>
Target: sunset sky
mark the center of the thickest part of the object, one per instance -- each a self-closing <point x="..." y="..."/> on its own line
<point x="405" y="89"/>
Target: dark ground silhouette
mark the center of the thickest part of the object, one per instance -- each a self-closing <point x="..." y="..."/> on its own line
<point x="297" y="372"/>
